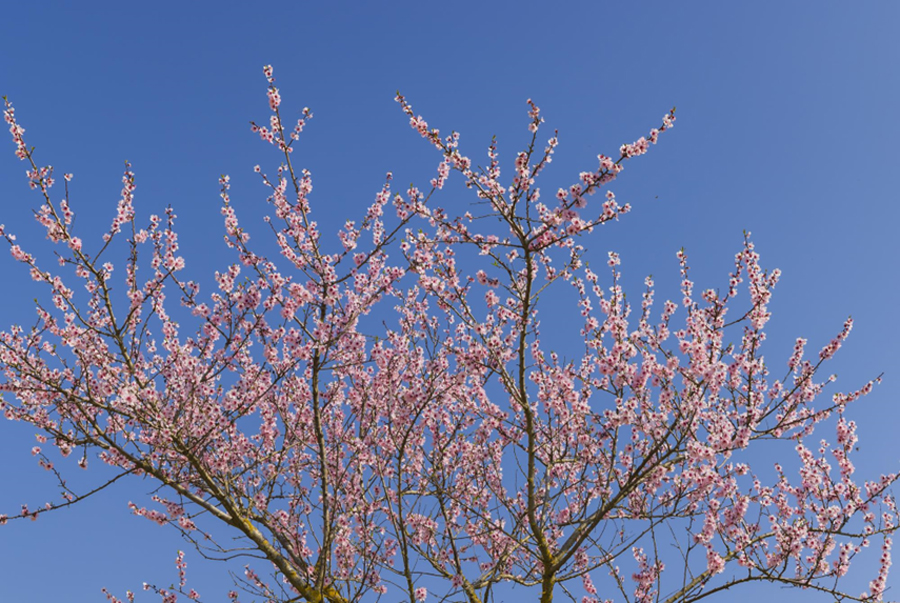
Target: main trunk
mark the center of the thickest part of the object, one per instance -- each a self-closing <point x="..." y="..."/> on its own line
<point x="547" y="589"/>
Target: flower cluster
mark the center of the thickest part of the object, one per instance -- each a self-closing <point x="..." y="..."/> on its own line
<point x="378" y="412"/>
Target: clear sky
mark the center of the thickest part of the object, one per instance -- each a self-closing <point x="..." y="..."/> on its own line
<point x="787" y="127"/>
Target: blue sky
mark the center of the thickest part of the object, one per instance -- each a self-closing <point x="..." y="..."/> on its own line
<point x="786" y="127"/>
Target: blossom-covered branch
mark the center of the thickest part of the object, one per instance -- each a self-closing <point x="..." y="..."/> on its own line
<point x="444" y="451"/>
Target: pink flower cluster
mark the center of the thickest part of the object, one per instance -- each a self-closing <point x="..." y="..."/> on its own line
<point x="382" y="411"/>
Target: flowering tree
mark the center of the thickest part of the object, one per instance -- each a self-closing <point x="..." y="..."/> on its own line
<point x="443" y="450"/>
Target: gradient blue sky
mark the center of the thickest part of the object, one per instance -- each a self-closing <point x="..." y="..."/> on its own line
<point x="787" y="122"/>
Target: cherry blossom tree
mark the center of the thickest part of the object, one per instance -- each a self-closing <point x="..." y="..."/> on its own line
<point x="378" y="416"/>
